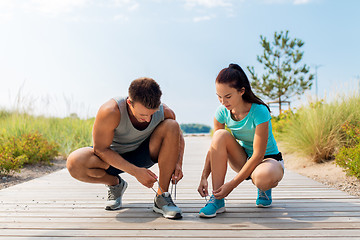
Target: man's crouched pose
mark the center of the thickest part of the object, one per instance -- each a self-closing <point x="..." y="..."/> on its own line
<point x="130" y="135"/>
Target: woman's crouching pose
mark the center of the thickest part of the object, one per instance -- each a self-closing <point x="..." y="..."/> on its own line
<point x="250" y="148"/>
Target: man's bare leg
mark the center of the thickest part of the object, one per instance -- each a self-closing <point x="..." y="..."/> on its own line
<point x="165" y="146"/>
<point x="85" y="166"/>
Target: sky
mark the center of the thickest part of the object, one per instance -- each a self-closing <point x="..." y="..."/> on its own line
<point x="59" y="57"/>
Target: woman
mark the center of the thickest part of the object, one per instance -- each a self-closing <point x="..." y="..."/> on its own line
<point x="250" y="148"/>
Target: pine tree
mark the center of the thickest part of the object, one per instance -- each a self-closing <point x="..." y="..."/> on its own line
<point x="285" y="76"/>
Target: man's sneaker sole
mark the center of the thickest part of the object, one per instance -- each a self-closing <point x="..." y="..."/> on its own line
<point x="158" y="210"/>
<point x="220" y="210"/>
<point x="111" y="208"/>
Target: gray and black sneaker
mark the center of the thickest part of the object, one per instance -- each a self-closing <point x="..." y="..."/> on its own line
<point x="115" y="194"/>
<point x="164" y="204"/>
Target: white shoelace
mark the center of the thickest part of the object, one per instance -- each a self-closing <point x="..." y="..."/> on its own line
<point x="211" y="200"/>
<point x="262" y="194"/>
<point x="172" y="185"/>
<point x="162" y="192"/>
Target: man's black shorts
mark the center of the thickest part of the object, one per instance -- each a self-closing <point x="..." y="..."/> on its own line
<point x="140" y="157"/>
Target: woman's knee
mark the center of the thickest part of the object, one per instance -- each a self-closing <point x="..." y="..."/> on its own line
<point x="267" y="176"/>
<point x="220" y="136"/>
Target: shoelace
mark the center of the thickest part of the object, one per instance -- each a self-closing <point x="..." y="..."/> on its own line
<point x="172" y="185"/>
<point x="111" y="191"/>
<point x="111" y="195"/>
<point x="162" y="192"/>
<point x="211" y="200"/>
<point x="169" y="200"/>
<point x="262" y="194"/>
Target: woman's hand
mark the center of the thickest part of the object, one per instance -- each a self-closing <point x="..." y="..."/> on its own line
<point x="224" y="190"/>
<point x="203" y="187"/>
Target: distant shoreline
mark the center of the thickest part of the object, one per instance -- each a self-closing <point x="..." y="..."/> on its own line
<point x="196" y="134"/>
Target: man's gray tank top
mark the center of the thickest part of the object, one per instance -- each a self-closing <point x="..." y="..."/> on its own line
<point x="126" y="137"/>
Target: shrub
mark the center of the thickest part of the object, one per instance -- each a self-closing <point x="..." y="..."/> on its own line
<point x="279" y="122"/>
<point x="27" y="149"/>
<point x="348" y="156"/>
<point x="8" y="163"/>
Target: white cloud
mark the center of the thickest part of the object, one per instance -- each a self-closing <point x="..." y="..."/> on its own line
<point x="55" y="7"/>
<point x="69" y="10"/>
<point x="121" y="18"/>
<point x="6" y="4"/>
<point x="6" y="10"/>
<point x="208" y="3"/>
<point x="298" y="2"/>
<point x="295" y="2"/>
<point x="203" y="18"/>
<point x="129" y="4"/>
<point x="4" y="17"/>
<point x="133" y="7"/>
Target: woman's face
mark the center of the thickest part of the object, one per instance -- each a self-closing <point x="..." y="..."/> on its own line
<point x="228" y="96"/>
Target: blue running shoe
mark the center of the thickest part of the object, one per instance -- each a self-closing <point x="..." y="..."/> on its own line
<point x="264" y="198"/>
<point x="212" y="207"/>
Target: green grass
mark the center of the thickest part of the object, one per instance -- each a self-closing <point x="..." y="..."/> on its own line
<point x="58" y="136"/>
<point x="315" y="131"/>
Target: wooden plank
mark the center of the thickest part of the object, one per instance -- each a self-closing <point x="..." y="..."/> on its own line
<point x="189" y="225"/>
<point x="57" y="206"/>
<point x="160" y="220"/>
<point x="180" y="233"/>
<point x="172" y="237"/>
<point x="186" y="209"/>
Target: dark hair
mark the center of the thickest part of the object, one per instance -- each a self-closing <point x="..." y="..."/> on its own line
<point x="145" y="91"/>
<point x="236" y="78"/>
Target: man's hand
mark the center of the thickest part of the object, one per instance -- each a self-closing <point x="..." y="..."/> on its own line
<point x="224" y="190"/>
<point x="146" y="177"/>
<point x="178" y="174"/>
<point x="203" y="187"/>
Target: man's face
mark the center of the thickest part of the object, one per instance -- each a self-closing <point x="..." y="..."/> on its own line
<point x="140" y="112"/>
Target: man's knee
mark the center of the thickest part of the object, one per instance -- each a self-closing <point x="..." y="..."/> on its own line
<point x="72" y="164"/>
<point x="170" y="126"/>
<point x="76" y="162"/>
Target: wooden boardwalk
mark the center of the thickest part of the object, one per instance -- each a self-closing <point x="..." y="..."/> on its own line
<point x="57" y="206"/>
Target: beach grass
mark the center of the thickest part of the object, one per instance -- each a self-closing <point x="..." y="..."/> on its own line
<point x="315" y="130"/>
<point x="27" y="139"/>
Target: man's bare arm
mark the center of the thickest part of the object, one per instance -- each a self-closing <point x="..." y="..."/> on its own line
<point x="107" y="119"/>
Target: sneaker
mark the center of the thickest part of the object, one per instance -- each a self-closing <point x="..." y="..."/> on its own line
<point x="212" y="207"/>
<point x="115" y="194"/>
<point x="264" y="198"/>
<point x="164" y="204"/>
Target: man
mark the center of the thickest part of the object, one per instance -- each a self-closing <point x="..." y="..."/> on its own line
<point x="130" y="135"/>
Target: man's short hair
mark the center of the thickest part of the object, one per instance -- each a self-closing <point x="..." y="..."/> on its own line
<point x="145" y="91"/>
